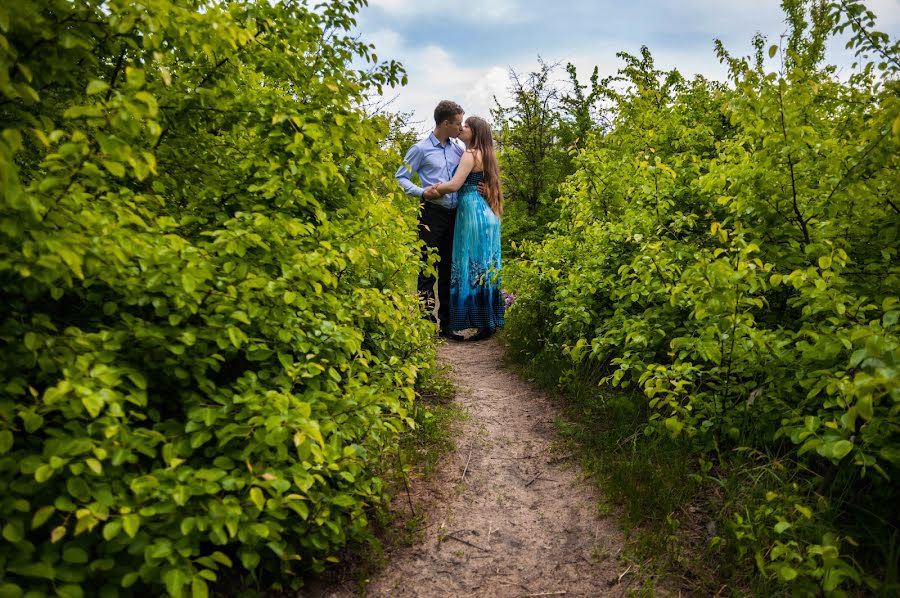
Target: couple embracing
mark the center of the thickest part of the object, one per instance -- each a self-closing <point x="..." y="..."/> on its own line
<point x="460" y="218"/>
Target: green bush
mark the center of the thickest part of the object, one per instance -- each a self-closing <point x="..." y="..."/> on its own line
<point x="208" y="337"/>
<point x="731" y="251"/>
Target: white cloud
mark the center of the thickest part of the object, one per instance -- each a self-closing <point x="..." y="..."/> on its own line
<point x="465" y="9"/>
<point x="387" y="42"/>
<point x="399" y="7"/>
<point x="435" y="76"/>
<point x="676" y="34"/>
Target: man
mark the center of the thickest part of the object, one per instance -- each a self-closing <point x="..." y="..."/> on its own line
<point x="434" y="159"/>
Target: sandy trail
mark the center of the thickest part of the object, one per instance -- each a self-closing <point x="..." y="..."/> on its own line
<point x="506" y="515"/>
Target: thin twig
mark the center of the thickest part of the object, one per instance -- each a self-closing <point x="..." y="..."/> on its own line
<point x="513" y="583"/>
<point x="557" y="593"/>
<point x="424" y="527"/>
<point x="115" y="75"/>
<point x="466" y="468"/>
<point x="412" y="511"/>
<point x="532" y="480"/>
<point x="466" y="542"/>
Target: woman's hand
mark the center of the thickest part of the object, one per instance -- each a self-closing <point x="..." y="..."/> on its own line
<point x="432" y="192"/>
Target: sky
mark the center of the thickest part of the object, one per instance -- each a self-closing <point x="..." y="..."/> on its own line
<point x="464" y="50"/>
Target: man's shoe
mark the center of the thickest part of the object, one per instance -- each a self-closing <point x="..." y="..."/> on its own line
<point x="450" y="335"/>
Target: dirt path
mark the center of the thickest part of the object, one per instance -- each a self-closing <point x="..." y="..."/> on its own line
<point x="506" y="515"/>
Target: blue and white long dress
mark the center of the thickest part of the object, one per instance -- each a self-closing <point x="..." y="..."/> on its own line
<point x="475" y="299"/>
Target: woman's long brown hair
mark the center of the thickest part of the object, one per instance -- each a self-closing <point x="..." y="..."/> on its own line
<point x="483" y="142"/>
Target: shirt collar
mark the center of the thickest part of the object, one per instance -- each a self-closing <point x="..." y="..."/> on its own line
<point x="435" y="142"/>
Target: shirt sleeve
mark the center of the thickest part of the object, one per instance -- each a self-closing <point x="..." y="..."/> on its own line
<point x="411" y="163"/>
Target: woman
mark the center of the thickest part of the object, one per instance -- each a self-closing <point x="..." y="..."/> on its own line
<point x="475" y="299"/>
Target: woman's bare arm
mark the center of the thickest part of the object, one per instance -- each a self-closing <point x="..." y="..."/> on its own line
<point x="466" y="164"/>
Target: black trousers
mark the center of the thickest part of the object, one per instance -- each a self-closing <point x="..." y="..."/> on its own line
<point x="436" y="226"/>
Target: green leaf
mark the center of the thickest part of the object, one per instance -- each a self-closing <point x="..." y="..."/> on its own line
<point x="343" y="500"/>
<point x="864" y="407"/>
<point x="39" y="569"/>
<point x="75" y="555"/>
<point x="841" y="449"/>
<point x="786" y="573"/>
<point x="301" y="508"/>
<point x="249" y="558"/>
<point x="181" y="495"/>
<point x="222" y="559"/>
<point x="31" y="341"/>
<point x="93" y="403"/>
<point x="112" y="529"/>
<point x="138" y="380"/>
<point x="160" y="550"/>
<point x="116" y="168"/>
<point x="208" y="574"/>
<point x="825" y="262"/>
<point x="134" y="77"/>
<point x="10" y="590"/>
<point x="175" y="580"/>
<point x="773" y="49"/>
<point x="70" y="591"/>
<point x="240" y="316"/>
<point x="805" y="511"/>
<point x="890" y="454"/>
<point x="43" y="473"/>
<point x="234" y="335"/>
<point x="187" y="525"/>
<point x="32" y="421"/>
<point x="57" y="534"/>
<point x="78" y="488"/>
<point x="199" y="588"/>
<point x="41" y="516"/>
<point x="6" y="441"/>
<point x="257" y="497"/>
<point x="188" y="283"/>
<point x="674" y="425"/>
<point x="97" y="86"/>
<point x="14" y="531"/>
<point x="131" y="523"/>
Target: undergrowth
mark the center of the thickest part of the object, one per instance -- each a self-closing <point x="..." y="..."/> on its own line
<point x="676" y="509"/>
<point x="414" y="458"/>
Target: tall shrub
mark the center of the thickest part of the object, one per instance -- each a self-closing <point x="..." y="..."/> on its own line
<point x="207" y="334"/>
<point x="731" y="251"/>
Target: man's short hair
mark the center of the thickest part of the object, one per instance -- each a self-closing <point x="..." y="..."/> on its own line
<point x="446" y="110"/>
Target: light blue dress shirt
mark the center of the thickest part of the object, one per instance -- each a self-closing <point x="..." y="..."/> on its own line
<point x="435" y="163"/>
